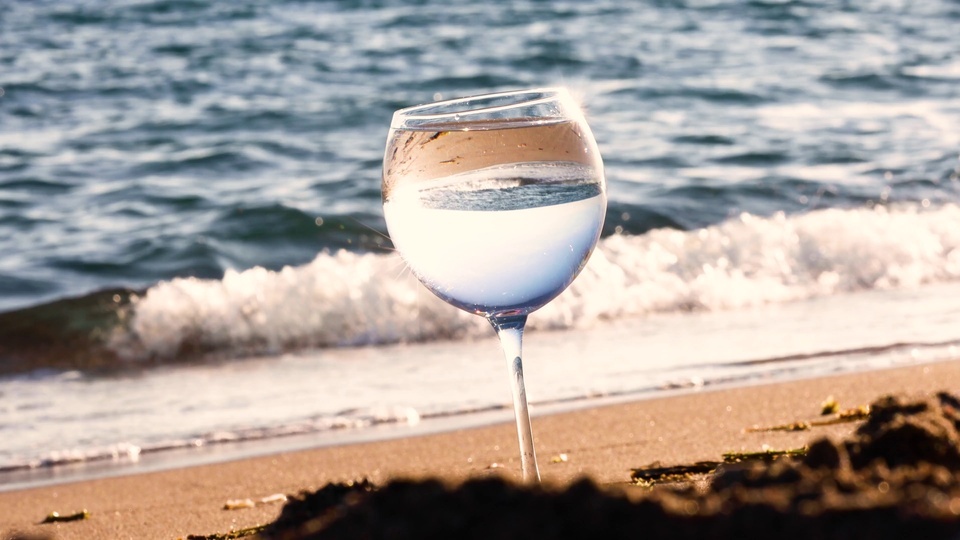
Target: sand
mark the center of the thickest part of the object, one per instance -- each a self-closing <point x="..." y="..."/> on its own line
<point x="602" y="444"/>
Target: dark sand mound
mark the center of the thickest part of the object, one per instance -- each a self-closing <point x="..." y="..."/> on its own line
<point x="897" y="476"/>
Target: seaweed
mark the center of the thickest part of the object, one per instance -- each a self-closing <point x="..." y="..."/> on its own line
<point x="55" y="517"/>
<point x="656" y="474"/>
<point x="239" y="533"/>
<point x="839" y="417"/>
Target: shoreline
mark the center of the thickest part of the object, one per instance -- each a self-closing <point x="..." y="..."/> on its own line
<point x="211" y="453"/>
<point x="184" y="414"/>
<point x="602" y="443"/>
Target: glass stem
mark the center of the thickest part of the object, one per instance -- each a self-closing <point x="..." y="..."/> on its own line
<point x="510" y="332"/>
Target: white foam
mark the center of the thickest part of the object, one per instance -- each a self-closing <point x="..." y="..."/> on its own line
<point x="752" y="261"/>
<point x="339" y="299"/>
<point x="346" y="299"/>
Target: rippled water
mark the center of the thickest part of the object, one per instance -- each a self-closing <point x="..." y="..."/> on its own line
<point x="140" y="141"/>
<point x="191" y="169"/>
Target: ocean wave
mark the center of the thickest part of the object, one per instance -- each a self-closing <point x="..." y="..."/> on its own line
<point x="347" y="298"/>
<point x="352" y="299"/>
<point x="128" y="452"/>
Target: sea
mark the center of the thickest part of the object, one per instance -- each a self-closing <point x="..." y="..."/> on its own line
<point x="194" y="264"/>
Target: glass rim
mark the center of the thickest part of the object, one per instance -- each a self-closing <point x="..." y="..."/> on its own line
<point x="537" y="96"/>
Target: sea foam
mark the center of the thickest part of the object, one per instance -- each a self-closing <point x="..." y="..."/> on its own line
<point x="352" y="299"/>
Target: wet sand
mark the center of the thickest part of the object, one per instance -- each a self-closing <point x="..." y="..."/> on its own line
<point x="602" y="444"/>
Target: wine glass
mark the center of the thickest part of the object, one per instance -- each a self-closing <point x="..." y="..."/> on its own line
<point x="495" y="202"/>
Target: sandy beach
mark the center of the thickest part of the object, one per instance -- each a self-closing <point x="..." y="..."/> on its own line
<point x="603" y="444"/>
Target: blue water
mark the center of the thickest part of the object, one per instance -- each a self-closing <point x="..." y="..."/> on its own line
<point x="188" y="183"/>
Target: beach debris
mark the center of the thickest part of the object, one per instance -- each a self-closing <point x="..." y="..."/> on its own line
<point x="850" y="415"/>
<point x="655" y="473"/>
<point x="559" y="458"/>
<point x="239" y="533"/>
<point x="55" y="517"/>
<point x="841" y="417"/>
<point x="793" y="426"/>
<point x="829" y="406"/>
<point x="238" y="504"/>
<point x="767" y="454"/>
